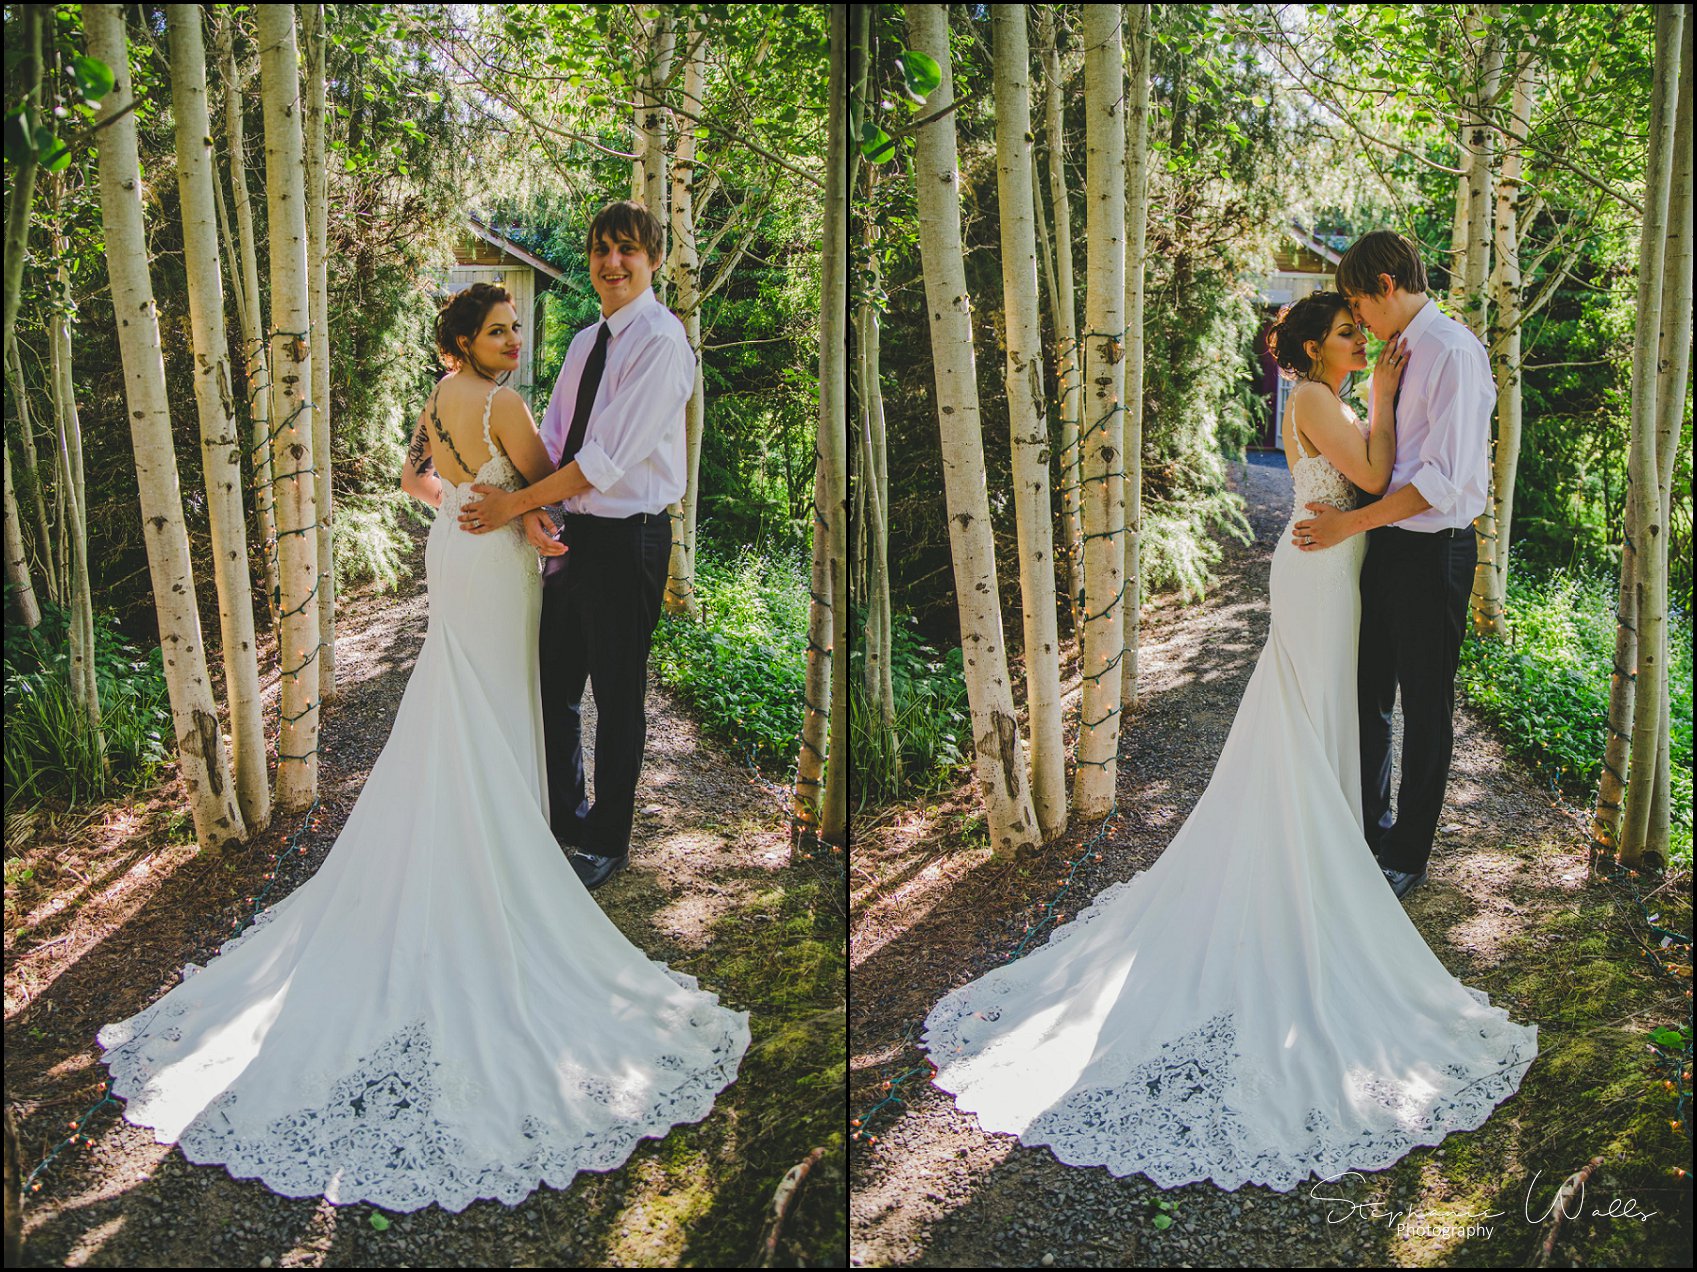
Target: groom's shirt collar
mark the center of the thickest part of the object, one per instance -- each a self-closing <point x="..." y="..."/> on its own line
<point x="1421" y="323"/>
<point x="629" y="313"/>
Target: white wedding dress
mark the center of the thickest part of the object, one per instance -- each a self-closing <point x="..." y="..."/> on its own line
<point x="442" y="1013"/>
<point x="1256" y="1006"/>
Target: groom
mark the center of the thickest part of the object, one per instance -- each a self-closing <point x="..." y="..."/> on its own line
<point x="615" y="427"/>
<point x="1421" y="549"/>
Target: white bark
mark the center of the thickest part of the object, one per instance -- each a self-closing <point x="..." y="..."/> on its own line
<point x="27" y="609"/>
<point x="26" y="444"/>
<point x="686" y="279"/>
<point x="1102" y="432"/>
<point x="1136" y="231"/>
<point x="317" y="38"/>
<point x="220" y="439"/>
<point x="996" y="741"/>
<point x="1028" y="424"/>
<point x="1069" y="384"/>
<point x="244" y="273"/>
<point x="833" y="434"/>
<point x="1649" y="343"/>
<point x="294" y="475"/>
<point x="200" y="743"/>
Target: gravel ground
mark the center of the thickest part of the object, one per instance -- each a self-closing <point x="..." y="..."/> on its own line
<point x="934" y="1190"/>
<point x="118" y="902"/>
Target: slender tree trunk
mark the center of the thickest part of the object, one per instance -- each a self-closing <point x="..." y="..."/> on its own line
<point x="31" y="470"/>
<point x="648" y="176"/>
<point x="318" y="279"/>
<point x="1481" y="142"/>
<point x="1028" y="425"/>
<point x="833" y="419"/>
<point x="1136" y="253"/>
<point x="686" y="278"/>
<point x="1459" y="225"/>
<point x="221" y="446"/>
<point x="807" y="797"/>
<point x="1070" y="386"/>
<point x="292" y="456"/>
<point x="1102" y="433"/>
<point x="25" y="609"/>
<point x="246" y="281"/>
<point x="995" y="729"/>
<point x="33" y="18"/>
<point x="1505" y="346"/>
<point x="880" y="685"/>
<point x="1650" y="341"/>
<point x="200" y="743"/>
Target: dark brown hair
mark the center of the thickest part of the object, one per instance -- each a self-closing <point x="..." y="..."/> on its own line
<point x="1380" y="252"/>
<point x="1307" y="319"/>
<point x="463" y="315"/>
<point x="627" y="219"/>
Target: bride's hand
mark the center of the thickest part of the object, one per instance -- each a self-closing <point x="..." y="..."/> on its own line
<point x="1387" y="371"/>
<point x="491" y="512"/>
<point x="539" y="530"/>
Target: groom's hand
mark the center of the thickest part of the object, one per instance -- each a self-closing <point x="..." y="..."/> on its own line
<point x="539" y="529"/>
<point x="491" y="512"/>
<point x="1327" y="528"/>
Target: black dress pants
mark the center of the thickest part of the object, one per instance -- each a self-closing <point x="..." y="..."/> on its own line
<point x="598" y="620"/>
<point x="1414" y="591"/>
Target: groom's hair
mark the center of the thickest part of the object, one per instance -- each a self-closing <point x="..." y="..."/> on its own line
<point x="626" y="219"/>
<point x="1380" y="252"/>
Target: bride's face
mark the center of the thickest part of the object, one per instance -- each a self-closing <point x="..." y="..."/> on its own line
<point x="497" y="345"/>
<point x="1345" y="346"/>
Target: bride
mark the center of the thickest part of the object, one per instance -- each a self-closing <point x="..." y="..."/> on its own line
<point x="1256" y="1007"/>
<point x="441" y="1013"/>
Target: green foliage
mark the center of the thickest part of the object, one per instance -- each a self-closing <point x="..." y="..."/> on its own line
<point x="371" y="542"/>
<point x="931" y="738"/>
<point x="743" y="667"/>
<point x="50" y="752"/>
<point x="1548" y="686"/>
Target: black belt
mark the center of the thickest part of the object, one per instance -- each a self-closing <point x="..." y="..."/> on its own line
<point x="635" y="519"/>
<point x="1448" y="532"/>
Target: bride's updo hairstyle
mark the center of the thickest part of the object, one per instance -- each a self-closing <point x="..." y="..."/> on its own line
<point x="462" y="316"/>
<point x="1307" y="319"/>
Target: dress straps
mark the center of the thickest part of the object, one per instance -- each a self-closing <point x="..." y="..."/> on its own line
<point x="488" y="402"/>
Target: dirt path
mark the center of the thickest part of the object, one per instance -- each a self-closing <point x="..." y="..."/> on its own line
<point x="119" y="900"/>
<point x="935" y="1190"/>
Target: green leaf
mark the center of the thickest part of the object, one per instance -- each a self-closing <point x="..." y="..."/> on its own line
<point x="378" y="1222"/>
<point x="19" y="130"/>
<point x="94" y="78"/>
<point x="920" y="74"/>
<point x="56" y="158"/>
<point x="875" y="143"/>
<point x="1163" y="1222"/>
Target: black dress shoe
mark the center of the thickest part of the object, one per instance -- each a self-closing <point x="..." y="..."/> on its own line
<point x="1402" y="883"/>
<point x="595" y="870"/>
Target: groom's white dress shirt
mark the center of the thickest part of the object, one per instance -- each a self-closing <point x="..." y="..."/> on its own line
<point x="1443" y="422"/>
<point x="633" y="452"/>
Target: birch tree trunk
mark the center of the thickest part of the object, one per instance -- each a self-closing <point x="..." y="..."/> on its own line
<point x="1028" y="424"/>
<point x="1069" y="386"/>
<point x="292" y="451"/>
<point x="648" y="172"/>
<point x="31" y="466"/>
<point x="1505" y="347"/>
<point x="1459" y="225"/>
<point x="686" y="278"/>
<point x="996" y="741"/>
<point x="220" y="440"/>
<point x="833" y="434"/>
<point x="1102" y="432"/>
<point x="26" y="609"/>
<point x="22" y="197"/>
<point x="1481" y="143"/>
<point x="1137" y="224"/>
<point x="244" y="273"/>
<point x="875" y="478"/>
<point x="807" y="797"/>
<point x="1649" y="342"/>
<point x="318" y="278"/>
<point x="200" y="743"/>
<point x="1664" y="326"/>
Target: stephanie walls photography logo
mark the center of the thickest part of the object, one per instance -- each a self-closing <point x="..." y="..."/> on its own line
<point x="1540" y="1205"/>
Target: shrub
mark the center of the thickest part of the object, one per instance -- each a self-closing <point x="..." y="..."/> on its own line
<point x="933" y="725"/>
<point x="1547" y="686"/>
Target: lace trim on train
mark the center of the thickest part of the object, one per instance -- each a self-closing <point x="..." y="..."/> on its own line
<point x="376" y="1136"/>
<point x="1178" y="1115"/>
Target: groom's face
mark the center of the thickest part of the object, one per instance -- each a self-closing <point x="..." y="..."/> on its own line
<point x="1374" y="312"/>
<point x="621" y="271"/>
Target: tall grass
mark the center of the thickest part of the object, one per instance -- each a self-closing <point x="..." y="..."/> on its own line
<point x="931" y="737"/>
<point x="1547" y="687"/>
<point x="50" y="751"/>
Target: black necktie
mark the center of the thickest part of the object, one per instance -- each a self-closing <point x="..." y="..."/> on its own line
<point x="586" y="388"/>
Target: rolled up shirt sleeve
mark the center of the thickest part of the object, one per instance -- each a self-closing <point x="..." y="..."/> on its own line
<point x="645" y="409"/>
<point x="1447" y="458"/>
